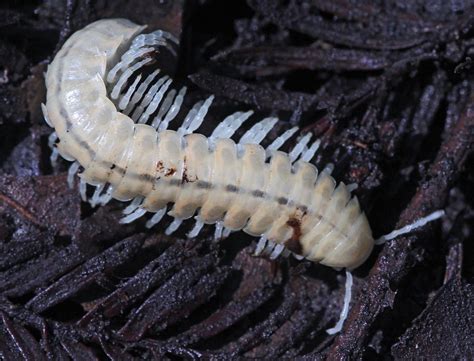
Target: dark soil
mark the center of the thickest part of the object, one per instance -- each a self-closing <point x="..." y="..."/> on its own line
<point x="388" y="87"/>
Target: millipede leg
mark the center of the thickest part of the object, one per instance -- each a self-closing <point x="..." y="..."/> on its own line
<point x="352" y="187"/>
<point x="155" y="102"/>
<point x="259" y="131"/>
<point x="195" y="117"/>
<point x="127" y="59"/>
<point x="345" y="309"/>
<point x="174" y="110"/>
<point x="133" y="216"/>
<point x="173" y="226"/>
<point x="269" y="248"/>
<point x="230" y="124"/>
<point x="134" y="204"/>
<point x="83" y="189"/>
<point x="410" y="227"/>
<point x="218" y="231"/>
<point x="141" y="91"/>
<point x="53" y="137"/>
<point x="125" y="76"/>
<point x="107" y="196"/>
<point x="196" y="229"/>
<point x="278" y="142"/>
<point x="73" y="168"/>
<point x="227" y="232"/>
<point x="149" y="95"/>
<point x="277" y="251"/>
<point x="125" y="99"/>
<point x="45" y="115"/>
<point x="156" y="38"/>
<point x="262" y="242"/>
<point x="54" y="156"/>
<point x="164" y="108"/>
<point x="311" y="151"/>
<point x="328" y="168"/>
<point x="96" y="196"/>
<point x="299" y="147"/>
<point x="156" y="218"/>
<point x="141" y="47"/>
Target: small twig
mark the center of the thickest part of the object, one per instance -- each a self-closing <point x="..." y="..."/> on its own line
<point x="25" y="213"/>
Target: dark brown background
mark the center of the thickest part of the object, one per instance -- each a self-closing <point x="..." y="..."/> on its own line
<point x="387" y="87"/>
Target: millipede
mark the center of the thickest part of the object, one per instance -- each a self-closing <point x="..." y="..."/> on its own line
<point x="111" y="120"/>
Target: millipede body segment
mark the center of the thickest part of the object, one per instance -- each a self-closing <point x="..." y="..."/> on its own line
<point x="116" y="130"/>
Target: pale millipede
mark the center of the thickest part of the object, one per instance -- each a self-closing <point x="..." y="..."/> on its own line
<point x="111" y="121"/>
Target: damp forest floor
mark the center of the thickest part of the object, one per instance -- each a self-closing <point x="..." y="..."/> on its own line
<point x="388" y="88"/>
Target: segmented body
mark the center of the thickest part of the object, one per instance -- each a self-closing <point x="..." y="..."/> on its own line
<point x="265" y="192"/>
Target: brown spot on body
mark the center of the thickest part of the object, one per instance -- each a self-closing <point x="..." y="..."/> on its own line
<point x="293" y="243"/>
<point x="170" y="172"/>
<point x="162" y="169"/>
<point x="185" y="178"/>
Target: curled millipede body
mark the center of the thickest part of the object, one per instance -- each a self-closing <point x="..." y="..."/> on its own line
<point x="116" y="130"/>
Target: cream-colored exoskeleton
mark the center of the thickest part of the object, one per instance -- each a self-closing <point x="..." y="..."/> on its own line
<point x="113" y="123"/>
